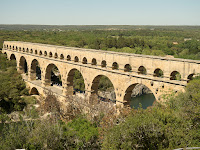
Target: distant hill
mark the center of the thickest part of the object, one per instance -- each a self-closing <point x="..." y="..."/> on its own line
<point x="92" y="27"/>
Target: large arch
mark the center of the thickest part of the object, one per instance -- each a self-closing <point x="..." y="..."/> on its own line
<point x="104" y="84"/>
<point x="23" y="67"/>
<point x="35" y="73"/>
<point x="34" y="91"/>
<point x="133" y="93"/>
<point x="75" y="82"/>
<point x="53" y="75"/>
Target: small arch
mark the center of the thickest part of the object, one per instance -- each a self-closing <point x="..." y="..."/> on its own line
<point x="76" y="59"/>
<point x="142" y="70"/>
<point x="20" y="48"/>
<point x="94" y="61"/>
<point x="10" y="46"/>
<point x="62" y="56"/>
<point x="7" y="46"/>
<point x="56" y="55"/>
<point x="16" y="48"/>
<point x="13" y="47"/>
<point x="175" y="75"/>
<point x="84" y="60"/>
<point x="50" y="54"/>
<point x="4" y="46"/>
<point x="31" y="51"/>
<point x="103" y="64"/>
<point x="40" y="53"/>
<point x="45" y="53"/>
<point x="190" y="77"/>
<point x="115" y="66"/>
<point x="127" y="68"/>
<point x="35" y="51"/>
<point x="27" y="50"/>
<point x="68" y="58"/>
<point x="158" y="73"/>
<point x="23" y="49"/>
<point x="34" y="91"/>
<point x="12" y="57"/>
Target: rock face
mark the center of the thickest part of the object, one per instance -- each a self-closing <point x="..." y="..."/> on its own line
<point x="140" y="89"/>
<point x="108" y="95"/>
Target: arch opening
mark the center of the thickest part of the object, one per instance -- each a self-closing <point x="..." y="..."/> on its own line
<point x="68" y="58"/>
<point x="27" y="50"/>
<point x="23" y="49"/>
<point x="61" y="56"/>
<point x="138" y="95"/>
<point x="142" y="70"/>
<point x="75" y="82"/>
<point x="94" y="61"/>
<point x="40" y="53"/>
<point x="56" y="55"/>
<point x="84" y="60"/>
<point x="190" y="77"/>
<point x="158" y="73"/>
<point x="103" y="64"/>
<point x="16" y="48"/>
<point x="45" y="53"/>
<point x="13" y="47"/>
<point x="23" y="67"/>
<point x="115" y="66"/>
<point x="76" y="59"/>
<point x="50" y="54"/>
<point x="175" y="75"/>
<point x="53" y="76"/>
<point x="12" y="57"/>
<point x="31" y="51"/>
<point x="35" y="51"/>
<point x="102" y="89"/>
<point x="127" y="68"/>
<point x="34" y="91"/>
<point x="35" y="73"/>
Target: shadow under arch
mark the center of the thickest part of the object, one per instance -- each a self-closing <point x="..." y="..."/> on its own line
<point x="107" y="91"/>
<point x="75" y="82"/>
<point x="12" y="57"/>
<point x="137" y="94"/>
<point x="52" y="75"/>
<point x="23" y="67"/>
<point x="34" y="91"/>
<point x="35" y="70"/>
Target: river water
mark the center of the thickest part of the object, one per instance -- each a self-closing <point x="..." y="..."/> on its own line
<point x="146" y="100"/>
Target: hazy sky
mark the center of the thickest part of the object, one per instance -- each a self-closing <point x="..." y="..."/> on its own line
<point x="100" y="12"/>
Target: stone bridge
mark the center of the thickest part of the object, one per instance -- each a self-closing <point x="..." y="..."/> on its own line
<point x="124" y="70"/>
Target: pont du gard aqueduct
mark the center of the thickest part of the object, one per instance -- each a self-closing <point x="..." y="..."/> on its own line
<point x="123" y="69"/>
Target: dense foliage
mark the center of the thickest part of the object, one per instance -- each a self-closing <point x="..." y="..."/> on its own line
<point x="11" y="87"/>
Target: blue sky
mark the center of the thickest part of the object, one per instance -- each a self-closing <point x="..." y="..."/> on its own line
<point x="100" y="12"/>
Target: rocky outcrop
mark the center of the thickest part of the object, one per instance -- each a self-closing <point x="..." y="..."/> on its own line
<point x="140" y="89"/>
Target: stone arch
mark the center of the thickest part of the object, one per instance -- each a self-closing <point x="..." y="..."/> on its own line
<point x="76" y="59"/>
<point x="27" y="50"/>
<point x="23" y="67"/>
<point x="16" y="48"/>
<point x="45" y="53"/>
<point x="31" y="51"/>
<point x="84" y="60"/>
<point x="55" y="55"/>
<point x="61" y="56"/>
<point x="20" y="48"/>
<point x="94" y="61"/>
<point x="158" y="73"/>
<point x="13" y="47"/>
<point x="127" y="68"/>
<point x="70" y="81"/>
<point x="7" y="46"/>
<point x="50" y="76"/>
<point x="40" y="53"/>
<point x="34" y="91"/>
<point x="129" y="91"/>
<point x="4" y="45"/>
<point x="103" y="64"/>
<point x="50" y="54"/>
<point x="68" y="58"/>
<point x="95" y="88"/>
<point x="142" y="70"/>
<point x="175" y="75"/>
<point x="12" y="57"/>
<point x="35" y="72"/>
<point x="36" y="52"/>
<point x="190" y="77"/>
<point x="10" y="46"/>
<point x="23" y="49"/>
<point x="115" y="66"/>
